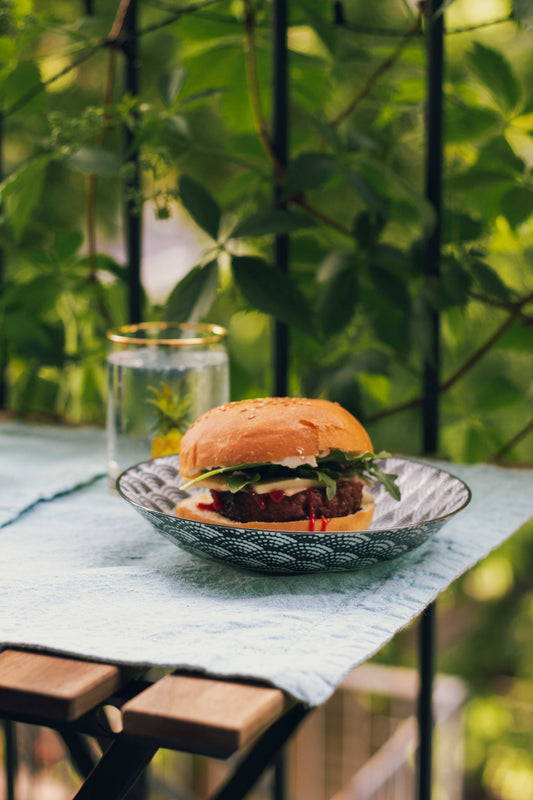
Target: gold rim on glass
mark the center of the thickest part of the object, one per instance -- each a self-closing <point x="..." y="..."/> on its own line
<point x="126" y="334"/>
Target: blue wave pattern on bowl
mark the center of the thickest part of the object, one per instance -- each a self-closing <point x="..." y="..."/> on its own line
<point x="430" y="496"/>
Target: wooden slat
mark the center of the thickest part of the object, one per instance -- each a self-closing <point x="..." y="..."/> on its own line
<point x="51" y="686"/>
<point x="201" y="715"/>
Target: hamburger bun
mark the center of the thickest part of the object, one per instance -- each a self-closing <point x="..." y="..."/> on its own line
<point x="271" y="429"/>
<point x="188" y="509"/>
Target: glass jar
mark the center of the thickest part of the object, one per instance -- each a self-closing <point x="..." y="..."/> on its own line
<point x="161" y="377"/>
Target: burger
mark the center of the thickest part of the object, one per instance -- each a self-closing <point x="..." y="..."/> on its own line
<point x="282" y="463"/>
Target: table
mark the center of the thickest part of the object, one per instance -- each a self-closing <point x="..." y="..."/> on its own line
<point x="90" y="588"/>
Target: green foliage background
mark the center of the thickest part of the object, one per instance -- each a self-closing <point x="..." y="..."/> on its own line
<point x="356" y="301"/>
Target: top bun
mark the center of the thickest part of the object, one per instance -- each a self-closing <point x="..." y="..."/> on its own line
<point x="270" y="429"/>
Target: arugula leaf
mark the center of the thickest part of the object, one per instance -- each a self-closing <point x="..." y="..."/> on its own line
<point x="331" y="468"/>
<point x="365" y="466"/>
<point x="238" y="480"/>
<point x="325" y="478"/>
<point x="218" y="471"/>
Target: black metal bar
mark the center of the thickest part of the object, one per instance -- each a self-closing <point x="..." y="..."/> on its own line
<point x="117" y="771"/>
<point x="433" y="191"/>
<point x="10" y="757"/>
<point x="133" y="202"/>
<point x="279" y="786"/>
<point x="263" y="752"/>
<point x="3" y="343"/>
<point x="81" y="755"/>
<point x="425" y="701"/>
<point x="430" y="415"/>
<point x="280" y="143"/>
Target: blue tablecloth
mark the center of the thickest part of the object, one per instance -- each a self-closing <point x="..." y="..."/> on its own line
<point x="83" y="574"/>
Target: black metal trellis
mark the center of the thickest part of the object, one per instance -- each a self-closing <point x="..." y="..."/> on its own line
<point x="3" y="344"/>
<point x="10" y="757"/>
<point x="133" y="203"/>
<point x="280" y="125"/>
<point x="430" y="412"/>
<point x="280" y="142"/>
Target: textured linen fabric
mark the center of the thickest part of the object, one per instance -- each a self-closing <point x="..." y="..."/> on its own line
<point x="85" y="575"/>
<point x="38" y="462"/>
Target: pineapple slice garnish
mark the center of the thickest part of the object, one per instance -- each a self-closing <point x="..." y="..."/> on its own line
<point x="171" y="421"/>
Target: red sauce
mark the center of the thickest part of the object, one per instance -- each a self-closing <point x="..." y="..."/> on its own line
<point x="260" y="500"/>
<point x="312" y="518"/>
<point x="276" y="495"/>
<point x="216" y="505"/>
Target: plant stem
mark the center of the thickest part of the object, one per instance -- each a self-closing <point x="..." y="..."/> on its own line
<point x="522" y="433"/>
<point x="514" y="314"/>
<point x="389" y="62"/>
<point x="249" y="47"/>
<point x="113" y="38"/>
<point x="118" y="23"/>
<point x="300" y="201"/>
<point x="503" y="304"/>
<point x="264" y="136"/>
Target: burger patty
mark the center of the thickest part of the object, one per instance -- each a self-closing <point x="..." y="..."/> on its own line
<point x="276" y="506"/>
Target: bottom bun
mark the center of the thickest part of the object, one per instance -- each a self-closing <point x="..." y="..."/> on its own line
<point x="188" y="509"/>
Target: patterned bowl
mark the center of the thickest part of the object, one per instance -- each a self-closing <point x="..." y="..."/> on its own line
<point x="430" y="496"/>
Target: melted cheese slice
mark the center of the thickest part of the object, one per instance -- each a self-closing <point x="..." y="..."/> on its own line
<point x="290" y="486"/>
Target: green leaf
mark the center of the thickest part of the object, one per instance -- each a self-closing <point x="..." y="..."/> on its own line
<point x="368" y="228"/>
<point x="495" y="72"/>
<point x="339" y="290"/>
<point x="495" y="393"/>
<point x="465" y="123"/>
<point x="459" y="227"/>
<point x="308" y="171"/>
<point x="32" y="338"/>
<point x="66" y="245"/>
<point x="271" y="222"/>
<point x="517" y="205"/>
<point x="238" y="480"/>
<point x="243" y="479"/>
<point x="390" y="286"/>
<point x="325" y="32"/>
<point x="193" y="296"/>
<point x="366" y="192"/>
<point x="202" y="207"/>
<point x="476" y="179"/>
<point x="363" y="464"/>
<point x="523" y="10"/>
<point x="34" y="297"/>
<point x="372" y="361"/>
<point x="518" y="338"/>
<point x="390" y="325"/>
<point x="105" y="263"/>
<point x="392" y="259"/>
<point x="22" y="191"/>
<point x="456" y="280"/>
<point x="272" y="291"/>
<point x="8" y="50"/>
<point x="498" y="154"/>
<point x="24" y="80"/>
<point x="488" y="279"/>
<point x="95" y="161"/>
<point x="169" y="85"/>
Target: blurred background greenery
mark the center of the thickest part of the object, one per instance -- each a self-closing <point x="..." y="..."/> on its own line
<point x="356" y="301"/>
